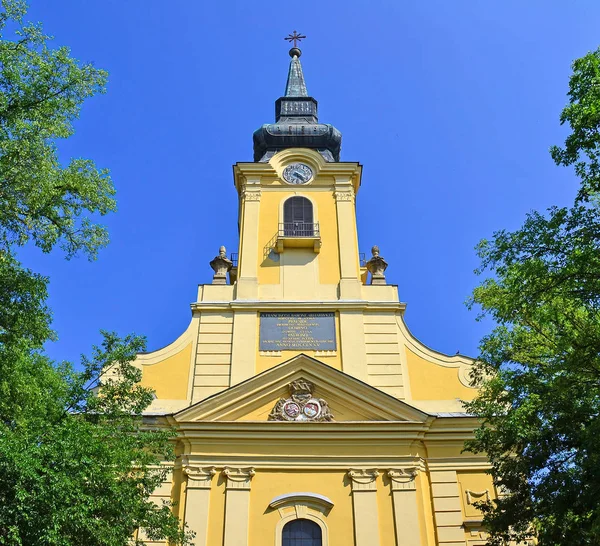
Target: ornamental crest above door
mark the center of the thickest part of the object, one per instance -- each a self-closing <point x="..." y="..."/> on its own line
<point x="301" y="405"/>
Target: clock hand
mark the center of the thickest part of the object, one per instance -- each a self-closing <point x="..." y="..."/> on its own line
<point x="301" y="175"/>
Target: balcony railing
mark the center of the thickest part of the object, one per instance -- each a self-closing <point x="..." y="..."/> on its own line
<point x="298" y="235"/>
<point x="234" y="258"/>
<point x="299" y="229"/>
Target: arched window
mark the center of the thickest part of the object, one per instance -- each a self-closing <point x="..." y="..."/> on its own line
<point x="298" y="218"/>
<point x="301" y="532"/>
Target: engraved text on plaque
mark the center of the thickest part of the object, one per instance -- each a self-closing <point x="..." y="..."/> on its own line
<point x="297" y="331"/>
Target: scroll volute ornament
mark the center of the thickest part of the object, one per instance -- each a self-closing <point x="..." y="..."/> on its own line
<point x="363" y="479"/>
<point x="199" y="477"/>
<point x="301" y="405"/>
<point x="402" y="478"/>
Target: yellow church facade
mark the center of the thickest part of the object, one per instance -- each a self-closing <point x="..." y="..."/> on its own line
<point x="306" y="412"/>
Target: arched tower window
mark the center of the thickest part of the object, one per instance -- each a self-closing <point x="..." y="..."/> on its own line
<point x="298" y="218"/>
<point x="301" y="532"/>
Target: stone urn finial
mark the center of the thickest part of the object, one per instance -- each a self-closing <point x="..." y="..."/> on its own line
<point x="377" y="266"/>
<point x="221" y="265"/>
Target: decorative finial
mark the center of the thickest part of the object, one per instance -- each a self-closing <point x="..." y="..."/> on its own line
<point x="221" y="266"/>
<point x="295" y="37"/>
<point x="377" y="266"/>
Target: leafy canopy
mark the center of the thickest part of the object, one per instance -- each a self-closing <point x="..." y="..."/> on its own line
<point x="540" y="367"/>
<point x="76" y="467"/>
<point x="41" y="93"/>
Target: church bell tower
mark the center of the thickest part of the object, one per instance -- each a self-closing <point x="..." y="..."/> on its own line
<point x="305" y="410"/>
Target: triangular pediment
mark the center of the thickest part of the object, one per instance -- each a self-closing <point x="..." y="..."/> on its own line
<point x="348" y="398"/>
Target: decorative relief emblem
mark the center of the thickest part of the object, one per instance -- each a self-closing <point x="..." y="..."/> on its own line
<point x="302" y="405"/>
<point x="479" y="496"/>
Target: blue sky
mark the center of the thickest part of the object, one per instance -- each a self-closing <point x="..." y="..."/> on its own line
<point x="450" y="107"/>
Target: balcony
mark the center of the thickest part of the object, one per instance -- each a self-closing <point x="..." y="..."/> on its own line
<point x="298" y="235"/>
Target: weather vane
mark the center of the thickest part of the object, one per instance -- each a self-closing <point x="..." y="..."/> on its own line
<point x="295" y="38"/>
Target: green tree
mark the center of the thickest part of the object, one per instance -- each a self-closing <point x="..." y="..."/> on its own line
<point x="41" y="92"/>
<point x="77" y="467"/>
<point x="540" y="367"/>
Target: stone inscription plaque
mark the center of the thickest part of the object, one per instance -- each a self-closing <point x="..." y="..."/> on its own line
<point x="297" y="331"/>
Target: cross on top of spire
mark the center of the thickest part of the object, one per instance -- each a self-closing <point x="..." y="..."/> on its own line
<point x="295" y="37"/>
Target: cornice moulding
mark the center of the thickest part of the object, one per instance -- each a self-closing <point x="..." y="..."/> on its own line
<point x="264" y="305"/>
<point x="278" y="462"/>
<point x="457" y="463"/>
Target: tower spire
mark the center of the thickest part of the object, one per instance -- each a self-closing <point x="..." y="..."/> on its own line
<point x="295" y="86"/>
<point x="296" y="121"/>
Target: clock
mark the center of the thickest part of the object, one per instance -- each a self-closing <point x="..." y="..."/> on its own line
<point x="297" y="173"/>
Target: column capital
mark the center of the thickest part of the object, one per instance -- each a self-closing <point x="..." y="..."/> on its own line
<point x="363" y="479"/>
<point x="238" y="478"/>
<point x="199" y="477"/>
<point x="250" y="192"/>
<point x="344" y="195"/>
<point x="403" y="479"/>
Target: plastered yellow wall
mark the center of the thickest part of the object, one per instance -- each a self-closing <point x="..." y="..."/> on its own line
<point x="334" y="484"/>
<point x="475" y="482"/>
<point x="429" y="381"/>
<point x="267" y="485"/>
<point x="178" y="493"/>
<point x="169" y="377"/>
<point x="271" y="212"/>
<point x="425" y="508"/>
<point x="385" y="512"/>
<point x="216" y="512"/>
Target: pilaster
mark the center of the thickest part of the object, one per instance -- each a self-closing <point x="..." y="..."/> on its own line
<point x="352" y="343"/>
<point x="237" y="505"/>
<point x="199" y="480"/>
<point x="244" y="345"/>
<point x="247" y="283"/>
<point x="364" y="503"/>
<point x="446" y="507"/>
<point x="404" y="497"/>
<point x="350" y="284"/>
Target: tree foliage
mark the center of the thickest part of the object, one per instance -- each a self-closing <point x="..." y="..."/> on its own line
<point x="41" y="92"/>
<point x="582" y="146"/>
<point x="77" y="468"/>
<point x="77" y="462"/>
<point x="540" y="367"/>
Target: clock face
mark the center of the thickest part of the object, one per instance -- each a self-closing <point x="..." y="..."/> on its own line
<point x="297" y="173"/>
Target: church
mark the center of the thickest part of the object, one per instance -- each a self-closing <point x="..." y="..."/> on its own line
<point x="306" y="412"/>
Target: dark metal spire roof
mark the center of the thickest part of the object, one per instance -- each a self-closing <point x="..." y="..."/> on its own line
<point x="295" y="87"/>
<point x="297" y="124"/>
